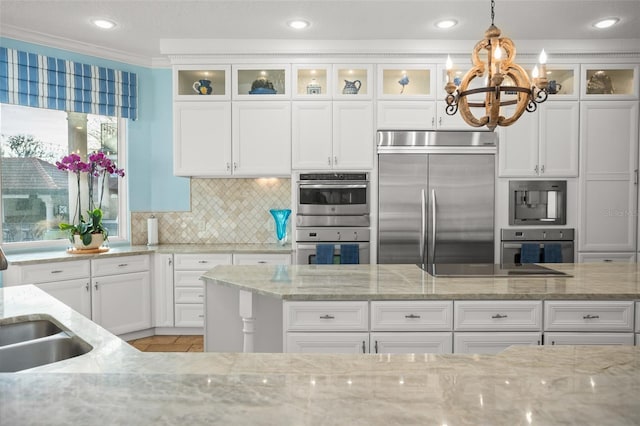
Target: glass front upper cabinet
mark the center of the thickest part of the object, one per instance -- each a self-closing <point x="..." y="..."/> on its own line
<point x="562" y="81"/>
<point x="311" y="81"/>
<point x="615" y="81"/>
<point x="406" y="81"/>
<point x="352" y="81"/>
<point x="202" y="82"/>
<point x="261" y="82"/>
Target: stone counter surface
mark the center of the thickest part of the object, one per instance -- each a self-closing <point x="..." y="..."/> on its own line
<point x="598" y="281"/>
<point x="34" y="257"/>
<point x="116" y="384"/>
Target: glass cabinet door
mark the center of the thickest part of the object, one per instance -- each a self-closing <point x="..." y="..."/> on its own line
<point x="406" y="81"/>
<point x="562" y="81"/>
<point x="352" y="81"/>
<point x="260" y="82"/>
<point x="618" y="81"/>
<point x="201" y="82"/>
<point x="311" y="81"/>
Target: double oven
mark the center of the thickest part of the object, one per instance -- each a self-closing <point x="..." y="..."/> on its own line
<point x="332" y="209"/>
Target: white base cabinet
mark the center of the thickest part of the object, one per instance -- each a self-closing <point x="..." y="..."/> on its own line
<point x="342" y="343"/>
<point x="411" y="342"/>
<point x="587" y="257"/>
<point x="492" y="343"/>
<point x="74" y="293"/>
<point x="588" y="338"/>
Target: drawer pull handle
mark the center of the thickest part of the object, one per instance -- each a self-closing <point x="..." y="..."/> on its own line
<point x="376" y="346"/>
<point x="201" y="295"/>
<point x="412" y="316"/>
<point x="200" y="316"/>
<point x="588" y="316"/>
<point x="122" y="265"/>
<point x="327" y="317"/>
<point x="262" y="261"/>
<point x="499" y="316"/>
<point x="364" y="348"/>
<point x="57" y="271"/>
<point x="202" y="261"/>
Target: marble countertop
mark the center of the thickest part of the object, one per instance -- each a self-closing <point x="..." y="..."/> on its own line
<point x="61" y="254"/>
<point x="602" y="281"/>
<point x="116" y="384"/>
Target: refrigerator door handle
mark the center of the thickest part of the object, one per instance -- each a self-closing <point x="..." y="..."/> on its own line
<point x="423" y="225"/>
<point x="434" y="223"/>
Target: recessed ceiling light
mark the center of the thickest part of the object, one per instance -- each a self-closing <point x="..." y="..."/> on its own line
<point x="446" y="23"/>
<point x="105" y="24"/>
<point x="606" y="23"/>
<point x="298" y="24"/>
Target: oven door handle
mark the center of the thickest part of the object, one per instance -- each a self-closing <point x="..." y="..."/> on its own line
<point x="332" y="186"/>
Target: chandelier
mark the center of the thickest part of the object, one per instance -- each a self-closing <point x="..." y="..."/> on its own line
<point x="507" y="83"/>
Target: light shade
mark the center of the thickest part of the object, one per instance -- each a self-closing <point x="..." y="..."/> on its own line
<point x="298" y="24"/>
<point x="446" y="23"/>
<point x="105" y="24"/>
<point x="606" y="23"/>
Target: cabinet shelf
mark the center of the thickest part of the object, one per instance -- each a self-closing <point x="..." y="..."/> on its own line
<point x="187" y="81"/>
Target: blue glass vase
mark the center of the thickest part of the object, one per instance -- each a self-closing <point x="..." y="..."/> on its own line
<point x="281" y="217"/>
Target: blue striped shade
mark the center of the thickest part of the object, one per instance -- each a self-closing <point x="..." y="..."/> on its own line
<point x="40" y="81"/>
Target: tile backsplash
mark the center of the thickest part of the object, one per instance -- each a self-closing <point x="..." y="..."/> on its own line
<point x="223" y="211"/>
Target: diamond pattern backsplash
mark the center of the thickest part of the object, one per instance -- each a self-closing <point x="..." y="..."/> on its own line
<point x="223" y="211"/>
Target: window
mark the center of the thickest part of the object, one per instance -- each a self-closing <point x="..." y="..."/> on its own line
<point x="35" y="194"/>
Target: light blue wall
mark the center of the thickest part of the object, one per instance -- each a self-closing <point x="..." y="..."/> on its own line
<point x="152" y="186"/>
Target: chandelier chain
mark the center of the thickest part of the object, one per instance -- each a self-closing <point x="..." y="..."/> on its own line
<point x="493" y="5"/>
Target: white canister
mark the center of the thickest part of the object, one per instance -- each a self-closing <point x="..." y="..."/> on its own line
<point x="152" y="231"/>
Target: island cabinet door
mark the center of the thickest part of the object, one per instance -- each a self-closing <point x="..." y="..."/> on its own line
<point x="411" y="343"/>
<point x="334" y="343"/>
<point x="492" y="343"/>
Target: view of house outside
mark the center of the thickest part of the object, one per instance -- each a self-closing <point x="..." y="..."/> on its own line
<point x="36" y="195"/>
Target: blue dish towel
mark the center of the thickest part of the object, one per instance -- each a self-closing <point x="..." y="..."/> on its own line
<point x="530" y="253"/>
<point x="349" y="254"/>
<point x="552" y="253"/>
<point x="324" y="254"/>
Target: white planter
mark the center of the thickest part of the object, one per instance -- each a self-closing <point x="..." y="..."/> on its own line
<point x="96" y="242"/>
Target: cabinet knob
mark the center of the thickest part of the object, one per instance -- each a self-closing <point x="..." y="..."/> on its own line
<point x="542" y="169"/>
<point x="335" y="160"/>
<point x="536" y="169"/>
<point x="228" y="166"/>
<point x="328" y="161"/>
<point x="433" y="121"/>
<point x="235" y="166"/>
<point x="95" y="286"/>
<point x="87" y="287"/>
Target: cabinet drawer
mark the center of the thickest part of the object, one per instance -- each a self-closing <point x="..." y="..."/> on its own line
<point x="120" y="265"/>
<point x="261" y="259"/>
<point x="412" y="316"/>
<point x="190" y="315"/>
<point x="492" y="343"/>
<point x="328" y="343"/>
<point x="638" y="317"/>
<point x="498" y="315"/>
<point x="189" y="295"/>
<point x="326" y="316"/>
<point x="54" y="271"/>
<point x="588" y="339"/>
<point x="411" y="343"/>
<point x="188" y="279"/>
<point x="202" y="261"/>
<point x="588" y="316"/>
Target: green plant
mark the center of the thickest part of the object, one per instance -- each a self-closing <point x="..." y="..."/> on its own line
<point x="97" y="169"/>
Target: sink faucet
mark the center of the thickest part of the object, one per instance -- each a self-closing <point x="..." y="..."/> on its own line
<point x="3" y="261"/>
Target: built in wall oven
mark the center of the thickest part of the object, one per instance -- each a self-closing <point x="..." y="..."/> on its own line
<point x="332" y="211"/>
<point x="540" y="240"/>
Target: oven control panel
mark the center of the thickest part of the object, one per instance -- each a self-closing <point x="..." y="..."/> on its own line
<point x="332" y="234"/>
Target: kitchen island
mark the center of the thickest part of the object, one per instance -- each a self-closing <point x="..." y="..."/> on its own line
<point x="249" y="301"/>
<point x="116" y="384"/>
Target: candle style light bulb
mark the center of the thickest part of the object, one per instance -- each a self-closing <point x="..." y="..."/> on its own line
<point x="449" y="66"/>
<point x="543" y="57"/>
<point x="535" y="73"/>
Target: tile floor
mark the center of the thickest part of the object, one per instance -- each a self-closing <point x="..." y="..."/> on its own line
<point x="169" y="344"/>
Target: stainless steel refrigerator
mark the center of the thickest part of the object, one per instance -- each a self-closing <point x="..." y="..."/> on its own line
<point x="436" y="195"/>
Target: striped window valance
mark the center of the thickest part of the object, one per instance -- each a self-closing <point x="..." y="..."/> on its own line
<point x="41" y="81"/>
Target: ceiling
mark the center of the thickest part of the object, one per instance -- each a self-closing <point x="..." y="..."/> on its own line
<point x="142" y="24"/>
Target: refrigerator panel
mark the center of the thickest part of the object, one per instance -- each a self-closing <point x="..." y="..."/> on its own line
<point x="402" y="179"/>
<point x="461" y="208"/>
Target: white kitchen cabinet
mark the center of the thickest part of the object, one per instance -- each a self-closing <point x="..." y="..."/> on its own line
<point x="492" y="342"/>
<point x="162" y="290"/>
<point x="332" y="135"/>
<point x="497" y="315"/>
<point x="326" y="316"/>
<point x="544" y="143"/>
<point x="406" y="115"/>
<point x="411" y="342"/>
<point x="188" y="289"/>
<point x="353" y="137"/>
<point x="412" y="315"/>
<point x="344" y="343"/>
<point x="555" y="338"/>
<point x="201" y="83"/>
<point x="122" y="303"/>
<point x="261" y="82"/>
<point x="121" y="293"/>
<point x="609" y="81"/>
<point x="589" y="316"/>
<point x="261" y="258"/>
<point x="586" y="257"/>
<point x="353" y="82"/>
<point x="261" y="138"/>
<point x="202" y="139"/>
<point x="608" y="181"/>
<point x="74" y="293"/>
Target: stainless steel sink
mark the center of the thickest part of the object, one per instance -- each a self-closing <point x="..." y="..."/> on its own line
<point x="32" y="343"/>
<point x="26" y="330"/>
